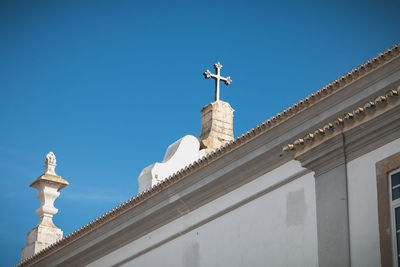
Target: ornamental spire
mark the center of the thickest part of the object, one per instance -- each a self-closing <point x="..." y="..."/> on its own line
<point x="45" y="233"/>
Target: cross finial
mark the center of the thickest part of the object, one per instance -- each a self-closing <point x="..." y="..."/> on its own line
<point x="217" y="77"/>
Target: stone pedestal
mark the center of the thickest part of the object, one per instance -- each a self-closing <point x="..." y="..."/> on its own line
<point x="45" y="233"/>
<point x="216" y="125"/>
<point x="39" y="238"/>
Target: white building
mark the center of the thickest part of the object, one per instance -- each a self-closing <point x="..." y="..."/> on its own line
<point x="316" y="185"/>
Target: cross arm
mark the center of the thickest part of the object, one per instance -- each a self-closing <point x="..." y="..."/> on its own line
<point x="227" y="80"/>
<point x="207" y="74"/>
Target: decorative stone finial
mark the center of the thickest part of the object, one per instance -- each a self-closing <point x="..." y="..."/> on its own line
<point x="50" y="163"/>
<point x="45" y="233"/>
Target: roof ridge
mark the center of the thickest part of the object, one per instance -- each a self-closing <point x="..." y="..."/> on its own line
<point x="315" y="97"/>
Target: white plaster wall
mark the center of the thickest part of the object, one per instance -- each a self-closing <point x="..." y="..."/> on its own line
<point x="276" y="228"/>
<point x="363" y="206"/>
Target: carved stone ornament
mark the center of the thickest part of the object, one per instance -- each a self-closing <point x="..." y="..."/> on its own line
<point x="50" y="163"/>
<point x="45" y="233"/>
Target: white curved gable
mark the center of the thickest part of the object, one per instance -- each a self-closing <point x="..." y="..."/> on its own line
<point x="178" y="155"/>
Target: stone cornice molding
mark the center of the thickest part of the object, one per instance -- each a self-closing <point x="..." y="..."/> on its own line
<point x="342" y="82"/>
<point x="358" y="132"/>
<point x="349" y="120"/>
<point x="51" y="179"/>
<point x="325" y="157"/>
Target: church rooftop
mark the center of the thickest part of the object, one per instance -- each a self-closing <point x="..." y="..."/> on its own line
<point x="350" y="77"/>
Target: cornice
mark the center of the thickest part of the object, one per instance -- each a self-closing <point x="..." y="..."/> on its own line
<point x="324" y="157"/>
<point x="50" y="178"/>
<point x="366" y="128"/>
<point x="343" y="81"/>
<point x="343" y="123"/>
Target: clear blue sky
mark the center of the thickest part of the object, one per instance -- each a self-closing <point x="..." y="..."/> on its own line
<point x="108" y="85"/>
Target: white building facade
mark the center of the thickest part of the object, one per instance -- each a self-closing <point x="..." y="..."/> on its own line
<point x="316" y="185"/>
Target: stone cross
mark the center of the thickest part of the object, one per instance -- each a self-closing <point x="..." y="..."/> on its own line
<point x="217" y="77"/>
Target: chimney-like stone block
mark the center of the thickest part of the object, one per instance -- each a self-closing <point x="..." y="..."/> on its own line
<point x="216" y="125"/>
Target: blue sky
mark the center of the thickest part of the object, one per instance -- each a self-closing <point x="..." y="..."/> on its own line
<point x="108" y="85"/>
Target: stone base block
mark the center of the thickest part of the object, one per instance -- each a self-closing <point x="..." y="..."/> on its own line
<point x="39" y="238"/>
<point x="216" y="125"/>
